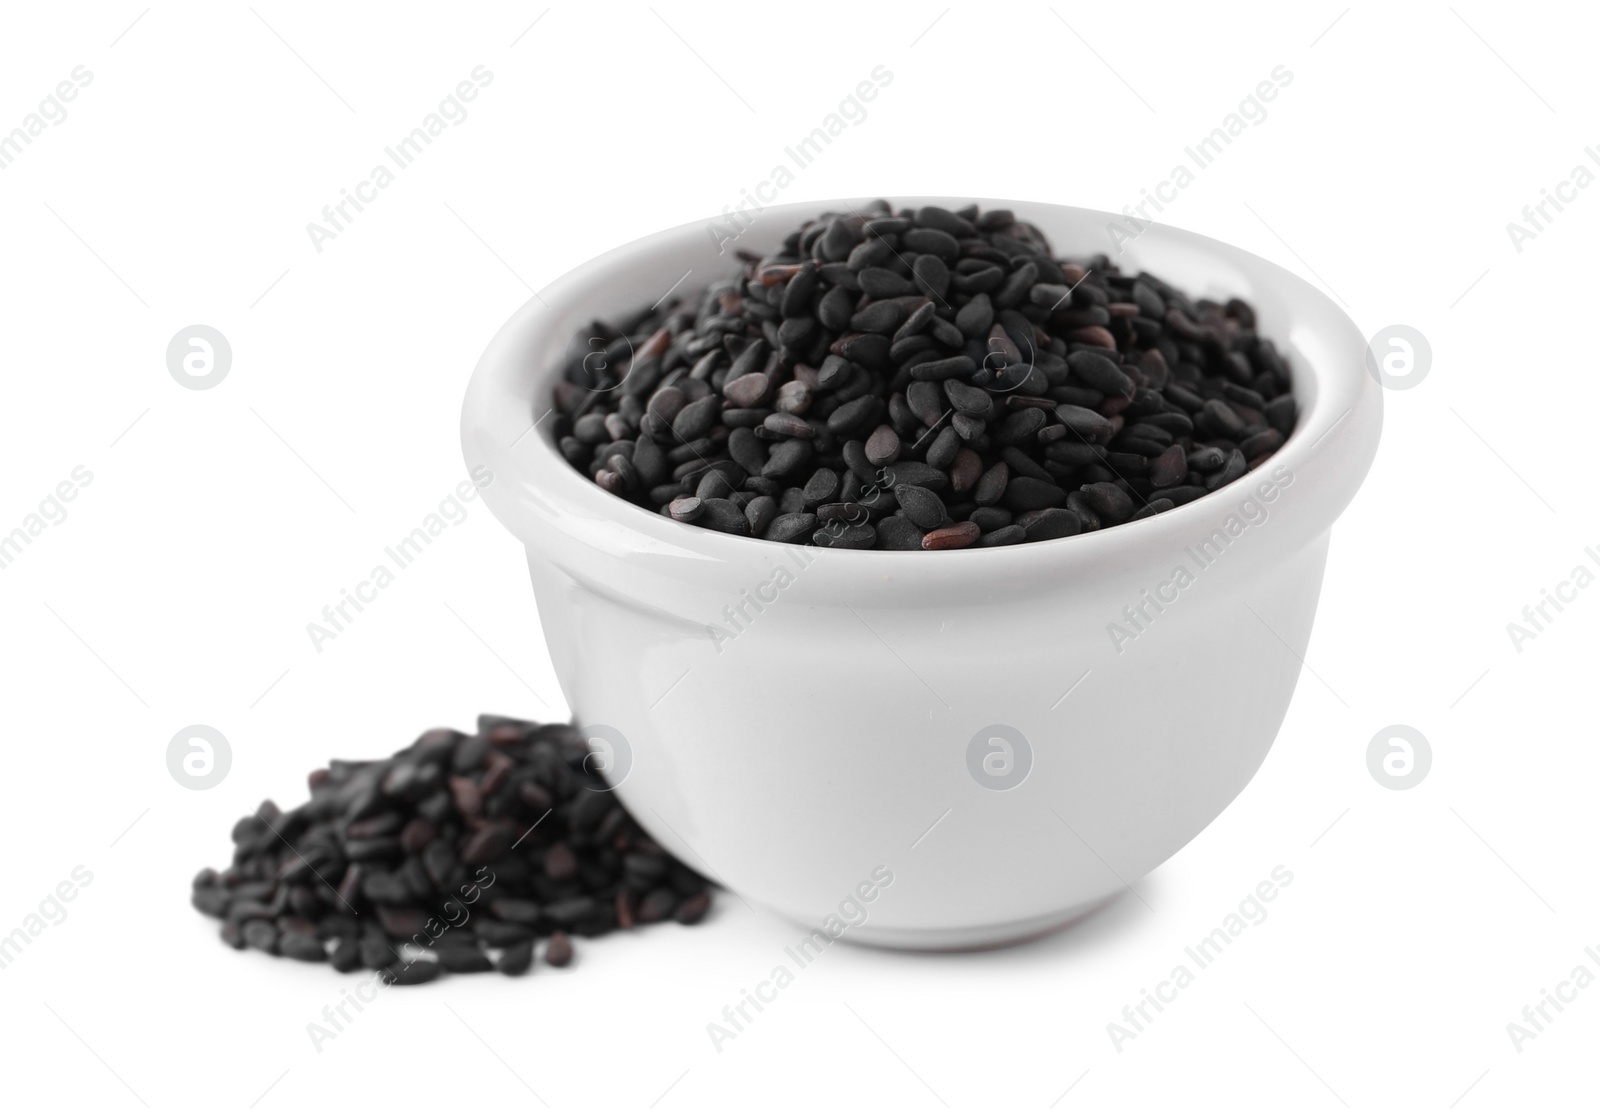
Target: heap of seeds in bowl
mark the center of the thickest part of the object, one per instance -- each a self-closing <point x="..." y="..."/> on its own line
<point x="922" y="379"/>
<point x="457" y="854"/>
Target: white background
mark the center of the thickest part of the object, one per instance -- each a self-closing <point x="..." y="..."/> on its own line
<point x="220" y="522"/>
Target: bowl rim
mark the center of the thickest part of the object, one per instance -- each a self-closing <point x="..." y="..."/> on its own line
<point x="1342" y="421"/>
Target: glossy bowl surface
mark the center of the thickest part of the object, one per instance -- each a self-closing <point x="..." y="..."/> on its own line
<point x="1008" y="735"/>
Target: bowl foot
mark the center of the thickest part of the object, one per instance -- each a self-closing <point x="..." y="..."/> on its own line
<point x="992" y="936"/>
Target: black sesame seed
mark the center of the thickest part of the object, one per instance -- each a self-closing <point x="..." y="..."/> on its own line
<point x="921" y="506"/>
<point x="897" y="533"/>
<point x="723" y="515"/>
<point x="460" y="801"/>
<point x="1050" y="523"/>
<point x="1011" y="533"/>
<point x="945" y="351"/>
<point x="1026" y="494"/>
<point x="791" y="527"/>
<point x="845" y="536"/>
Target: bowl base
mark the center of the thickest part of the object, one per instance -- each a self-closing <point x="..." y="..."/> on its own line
<point x="992" y="936"/>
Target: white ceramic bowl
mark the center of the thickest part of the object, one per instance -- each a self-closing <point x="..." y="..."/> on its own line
<point x="865" y="718"/>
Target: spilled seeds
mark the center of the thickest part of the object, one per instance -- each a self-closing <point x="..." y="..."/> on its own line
<point x="459" y="854"/>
